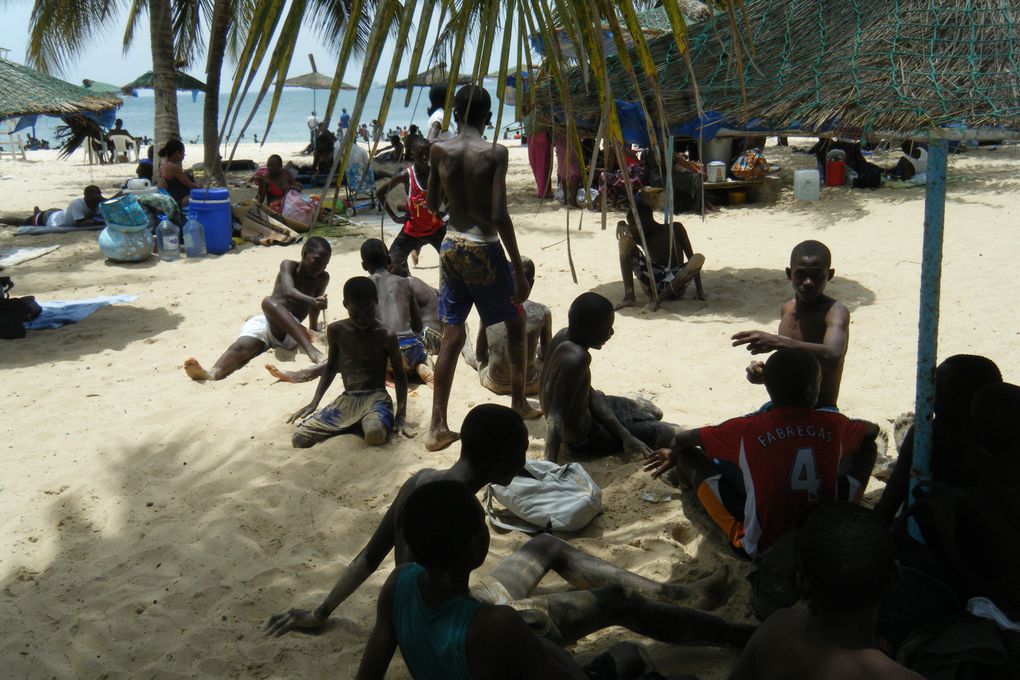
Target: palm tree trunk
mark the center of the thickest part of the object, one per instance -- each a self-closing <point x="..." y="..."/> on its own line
<point x="164" y="90"/>
<point x="220" y="25"/>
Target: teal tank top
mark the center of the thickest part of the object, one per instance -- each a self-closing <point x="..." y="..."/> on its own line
<point x="431" y="642"/>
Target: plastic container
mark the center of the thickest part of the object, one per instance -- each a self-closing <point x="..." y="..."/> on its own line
<point x="717" y="149"/>
<point x="194" y="237"/>
<point x="211" y="207"/>
<point x="124" y="210"/>
<point x="835" y="173"/>
<point x="126" y="243"/>
<point x="806" y="185"/>
<point x="716" y="172"/>
<point x="168" y="240"/>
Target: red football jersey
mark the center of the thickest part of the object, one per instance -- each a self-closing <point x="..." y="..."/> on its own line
<point x="788" y="458"/>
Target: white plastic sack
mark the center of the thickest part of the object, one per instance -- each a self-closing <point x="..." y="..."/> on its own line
<point x="550" y="497"/>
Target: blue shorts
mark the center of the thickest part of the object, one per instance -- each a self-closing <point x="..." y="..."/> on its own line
<point x="349" y="412"/>
<point x="412" y="349"/>
<point x="475" y="273"/>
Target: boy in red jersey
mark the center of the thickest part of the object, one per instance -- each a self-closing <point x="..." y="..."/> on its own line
<point x="421" y="225"/>
<point x="759" y="475"/>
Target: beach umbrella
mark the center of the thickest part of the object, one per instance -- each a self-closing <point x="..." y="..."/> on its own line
<point x="100" y="88"/>
<point x="315" y="81"/>
<point x="25" y="91"/>
<point x="437" y="75"/>
<point x="145" y="82"/>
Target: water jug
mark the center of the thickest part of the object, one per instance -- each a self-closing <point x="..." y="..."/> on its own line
<point x="168" y="240"/>
<point x="806" y="185"/>
<point x="194" y="237"/>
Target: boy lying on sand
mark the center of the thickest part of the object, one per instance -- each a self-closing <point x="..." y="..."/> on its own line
<point x="299" y="291"/>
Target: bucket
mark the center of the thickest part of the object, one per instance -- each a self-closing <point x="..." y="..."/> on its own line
<point x="212" y="209"/>
<point x="716" y="172"/>
<point x="835" y="173"/>
<point x="805" y="185"/>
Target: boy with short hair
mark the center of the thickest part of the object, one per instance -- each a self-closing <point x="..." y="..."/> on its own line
<point x="758" y="476"/>
<point x="491" y="356"/>
<point x="847" y="563"/>
<point x="359" y="349"/>
<point x="299" y="291"/>
<point x="811" y="321"/>
<point x="421" y="225"/>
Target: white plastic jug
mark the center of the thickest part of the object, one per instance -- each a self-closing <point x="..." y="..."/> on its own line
<point x="806" y="185"/>
<point x="716" y="172"/>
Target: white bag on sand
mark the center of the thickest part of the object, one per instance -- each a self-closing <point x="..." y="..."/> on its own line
<point x="548" y="497"/>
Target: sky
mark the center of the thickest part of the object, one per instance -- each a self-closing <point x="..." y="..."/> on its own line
<point x="106" y="62"/>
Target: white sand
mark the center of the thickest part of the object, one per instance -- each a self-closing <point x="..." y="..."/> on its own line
<point x="151" y="525"/>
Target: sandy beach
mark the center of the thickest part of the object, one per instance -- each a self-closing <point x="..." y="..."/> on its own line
<point x="151" y="524"/>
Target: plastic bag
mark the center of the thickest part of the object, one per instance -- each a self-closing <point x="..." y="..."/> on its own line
<point x="299" y="207"/>
<point x="751" y="165"/>
<point x="548" y="497"/>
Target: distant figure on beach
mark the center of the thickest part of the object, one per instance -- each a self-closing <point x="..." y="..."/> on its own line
<point x="847" y="564"/>
<point x="360" y="350"/>
<point x="672" y="274"/>
<point x="119" y="131"/>
<point x="345" y="122"/>
<point x="811" y="321"/>
<point x="313" y="130"/>
<point x="590" y="423"/>
<point x="172" y="177"/>
<point x="758" y="476"/>
<point x="435" y="132"/>
<point x="491" y="354"/>
<point x="81" y="212"/>
<point x="299" y="292"/>
<point x="470" y="176"/>
<point x="421" y="225"/>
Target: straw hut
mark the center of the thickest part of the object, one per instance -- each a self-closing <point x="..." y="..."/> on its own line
<point x="434" y="76"/>
<point x="25" y="91"/>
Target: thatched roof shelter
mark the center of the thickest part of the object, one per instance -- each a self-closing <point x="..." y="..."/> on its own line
<point x="863" y="66"/>
<point x="146" y="81"/>
<point x="434" y="76"/>
<point x="97" y="87"/>
<point x="25" y="91"/>
<point x="315" y="81"/>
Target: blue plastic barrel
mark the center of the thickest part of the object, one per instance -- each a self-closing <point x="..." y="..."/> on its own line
<point x="212" y="209"/>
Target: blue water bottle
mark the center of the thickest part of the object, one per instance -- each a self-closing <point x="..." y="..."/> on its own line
<point x="168" y="240"/>
<point x="194" y="237"/>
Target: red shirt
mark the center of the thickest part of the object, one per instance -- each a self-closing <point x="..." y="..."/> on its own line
<point x="788" y="459"/>
<point x="420" y="220"/>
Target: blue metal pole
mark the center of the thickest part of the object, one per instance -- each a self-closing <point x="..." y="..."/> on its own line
<point x="667" y="217"/>
<point x="928" y="325"/>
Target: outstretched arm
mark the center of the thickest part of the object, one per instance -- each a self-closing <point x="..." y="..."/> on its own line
<point x="505" y="226"/>
<point x="600" y="411"/>
<point x="332" y="368"/>
<point x="829" y="352"/>
<point x="288" y="290"/>
<point x="434" y="195"/>
<point x="399" y="179"/>
<point x="383" y="641"/>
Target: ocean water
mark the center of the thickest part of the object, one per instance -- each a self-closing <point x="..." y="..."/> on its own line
<point x="289" y="124"/>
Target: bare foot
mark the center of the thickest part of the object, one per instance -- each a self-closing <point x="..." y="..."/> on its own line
<point x="627" y="301"/>
<point x="414" y="257"/>
<point x="714" y="590"/>
<point x="282" y="376"/>
<point x="427" y="375"/>
<point x="526" y="411"/>
<point x="437" y="440"/>
<point x="195" y="370"/>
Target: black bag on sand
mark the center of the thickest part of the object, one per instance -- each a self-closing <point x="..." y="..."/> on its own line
<point x="15" y="312"/>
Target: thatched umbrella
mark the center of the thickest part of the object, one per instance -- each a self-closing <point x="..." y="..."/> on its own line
<point x="437" y="75"/>
<point x="315" y="81"/>
<point x="25" y="91"/>
<point x="145" y="82"/>
<point x="97" y="87"/>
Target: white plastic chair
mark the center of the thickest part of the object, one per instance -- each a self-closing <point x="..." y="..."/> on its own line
<point x="124" y="146"/>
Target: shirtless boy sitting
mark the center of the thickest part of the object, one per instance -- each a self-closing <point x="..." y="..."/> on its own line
<point x="359" y="349"/>
<point x="444" y="630"/>
<point x="847" y="564"/>
<point x="494" y="440"/>
<point x="811" y="321"/>
<point x="758" y="476"/>
<point x="398" y="309"/>
<point x="586" y="420"/>
<point x="299" y="291"/>
<point x="672" y="274"/>
<point x="491" y="356"/>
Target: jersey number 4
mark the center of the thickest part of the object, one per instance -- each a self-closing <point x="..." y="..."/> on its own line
<point x="804" y="474"/>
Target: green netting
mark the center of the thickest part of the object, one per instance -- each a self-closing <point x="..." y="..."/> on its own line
<point x="862" y="65"/>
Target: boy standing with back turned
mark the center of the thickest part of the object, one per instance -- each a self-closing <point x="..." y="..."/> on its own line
<point x="470" y="175"/>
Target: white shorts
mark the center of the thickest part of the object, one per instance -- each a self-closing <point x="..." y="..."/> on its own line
<point x="258" y="327"/>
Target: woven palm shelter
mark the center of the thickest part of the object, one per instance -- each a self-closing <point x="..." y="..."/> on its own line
<point x="315" y="81"/>
<point x="851" y="66"/>
<point x="184" y="82"/>
<point x="25" y="91"/>
<point x="434" y="76"/>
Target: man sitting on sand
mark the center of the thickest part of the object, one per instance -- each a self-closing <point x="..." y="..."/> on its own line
<point x="299" y="291"/>
<point x="81" y="212"/>
<point x="672" y="273"/>
<point x="444" y="631"/>
<point x="758" y="476"/>
<point x="398" y="309"/>
<point x="491" y="356"/>
<point x="494" y="440"/>
<point x="427" y="298"/>
<point x="421" y="225"/>
<point x="586" y="420"/>
<point x="469" y="174"/>
<point x="847" y="563"/>
<point x="360" y="350"/>
<point x="811" y="321"/>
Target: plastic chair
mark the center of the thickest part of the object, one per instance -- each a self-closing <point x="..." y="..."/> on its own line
<point x="360" y="182"/>
<point x="123" y="146"/>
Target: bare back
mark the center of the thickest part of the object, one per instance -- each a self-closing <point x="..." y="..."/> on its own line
<point x="467" y="167"/>
<point x="428" y="301"/>
<point x="395" y="300"/>
<point x="566" y="387"/>
<point x="538" y="319"/>
<point x="812" y="324"/>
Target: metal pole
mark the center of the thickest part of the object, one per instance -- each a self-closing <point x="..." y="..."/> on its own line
<point x="928" y="324"/>
<point x="667" y="217"/>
